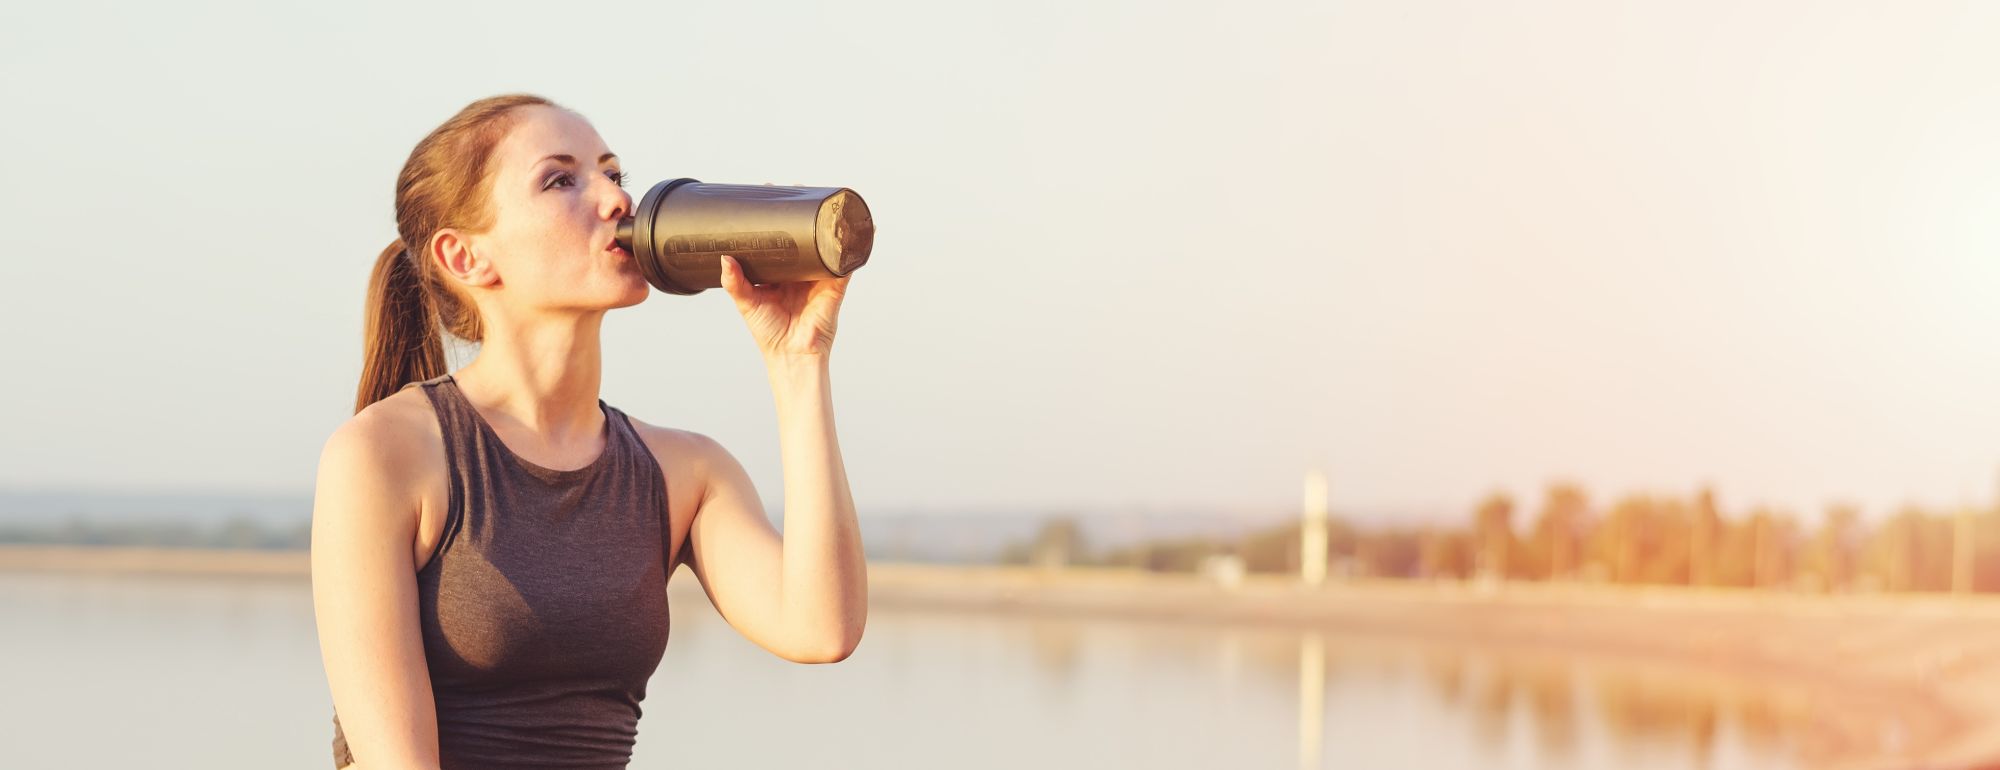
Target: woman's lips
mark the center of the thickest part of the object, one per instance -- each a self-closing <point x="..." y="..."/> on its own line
<point x="614" y="248"/>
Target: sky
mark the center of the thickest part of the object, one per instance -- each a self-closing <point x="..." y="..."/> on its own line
<point x="1137" y="255"/>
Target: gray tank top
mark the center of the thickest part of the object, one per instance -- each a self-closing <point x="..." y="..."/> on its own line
<point x="544" y="603"/>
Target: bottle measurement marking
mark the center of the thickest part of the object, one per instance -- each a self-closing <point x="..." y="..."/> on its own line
<point x="734" y="244"/>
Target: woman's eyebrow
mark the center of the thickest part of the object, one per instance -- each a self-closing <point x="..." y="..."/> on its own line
<point x="571" y="159"/>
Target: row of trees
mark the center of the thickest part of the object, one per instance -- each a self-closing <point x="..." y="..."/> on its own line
<point x="234" y="532"/>
<point x="1636" y="540"/>
<point x="1648" y="539"/>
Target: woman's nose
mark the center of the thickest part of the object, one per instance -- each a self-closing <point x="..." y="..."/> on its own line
<point x="617" y="204"/>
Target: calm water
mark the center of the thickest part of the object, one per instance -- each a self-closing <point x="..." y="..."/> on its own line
<point x="224" y="673"/>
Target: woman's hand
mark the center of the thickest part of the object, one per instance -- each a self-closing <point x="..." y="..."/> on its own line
<point x="791" y="319"/>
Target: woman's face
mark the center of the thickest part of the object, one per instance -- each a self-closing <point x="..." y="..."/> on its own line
<point x="557" y="198"/>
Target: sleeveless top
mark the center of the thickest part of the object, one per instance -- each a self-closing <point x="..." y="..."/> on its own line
<point x="544" y="603"/>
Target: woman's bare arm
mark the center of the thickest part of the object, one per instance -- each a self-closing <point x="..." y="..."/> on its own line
<point x="365" y="513"/>
<point x="802" y="595"/>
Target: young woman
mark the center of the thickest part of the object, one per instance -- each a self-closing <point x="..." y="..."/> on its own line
<point x="491" y="546"/>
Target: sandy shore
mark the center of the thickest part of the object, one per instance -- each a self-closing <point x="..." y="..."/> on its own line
<point x="1892" y="681"/>
<point x="154" y="561"/>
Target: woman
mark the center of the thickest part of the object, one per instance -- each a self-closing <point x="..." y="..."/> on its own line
<point x="491" y="546"/>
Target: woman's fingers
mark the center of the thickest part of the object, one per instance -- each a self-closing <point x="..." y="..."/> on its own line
<point x="732" y="278"/>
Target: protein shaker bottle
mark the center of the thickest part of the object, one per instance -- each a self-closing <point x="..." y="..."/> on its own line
<point x="778" y="234"/>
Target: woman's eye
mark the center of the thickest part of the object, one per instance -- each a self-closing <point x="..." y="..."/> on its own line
<point x="565" y="179"/>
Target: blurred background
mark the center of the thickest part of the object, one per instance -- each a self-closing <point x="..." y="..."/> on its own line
<point x="1269" y="384"/>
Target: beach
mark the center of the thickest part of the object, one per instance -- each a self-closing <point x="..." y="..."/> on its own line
<point x="1876" y="681"/>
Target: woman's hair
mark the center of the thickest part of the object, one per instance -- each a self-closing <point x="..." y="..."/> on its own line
<point x="410" y="304"/>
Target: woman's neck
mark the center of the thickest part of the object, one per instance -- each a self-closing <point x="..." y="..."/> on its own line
<point x="542" y="374"/>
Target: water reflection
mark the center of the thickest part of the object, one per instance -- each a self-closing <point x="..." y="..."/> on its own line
<point x="1643" y="713"/>
<point x="1056" y="649"/>
<point x="1312" y="698"/>
<point x="164" y="659"/>
<point x="1364" y="700"/>
<point x="1514" y="706"/>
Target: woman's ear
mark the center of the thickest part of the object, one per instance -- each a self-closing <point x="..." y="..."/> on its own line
<point x="453" y="251"/>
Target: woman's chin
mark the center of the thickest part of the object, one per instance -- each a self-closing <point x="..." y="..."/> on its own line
<point x="635" y="294"/>
<point x="631" y="298"/>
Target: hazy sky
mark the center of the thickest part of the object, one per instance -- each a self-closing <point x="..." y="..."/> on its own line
<point x="1130" y="253"/>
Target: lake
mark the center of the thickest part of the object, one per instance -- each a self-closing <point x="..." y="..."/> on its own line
<point x="220" y="673"/>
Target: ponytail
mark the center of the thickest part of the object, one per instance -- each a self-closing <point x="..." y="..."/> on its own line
<point x="401" y="343"/>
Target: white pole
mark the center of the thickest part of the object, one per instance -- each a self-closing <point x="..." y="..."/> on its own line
<point x="1961" y="552"/>
<point x="1312" y="542"/>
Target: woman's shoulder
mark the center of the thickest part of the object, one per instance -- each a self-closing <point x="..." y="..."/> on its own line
<point x="684" y="454"/>
<point x="664" y="441"/>
<point x="399" y="432"/>
<point x="381" y="479"/>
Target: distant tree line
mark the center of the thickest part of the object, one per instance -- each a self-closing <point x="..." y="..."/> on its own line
<point x="233" y="532"/>
<point x="1638" y="539"/>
